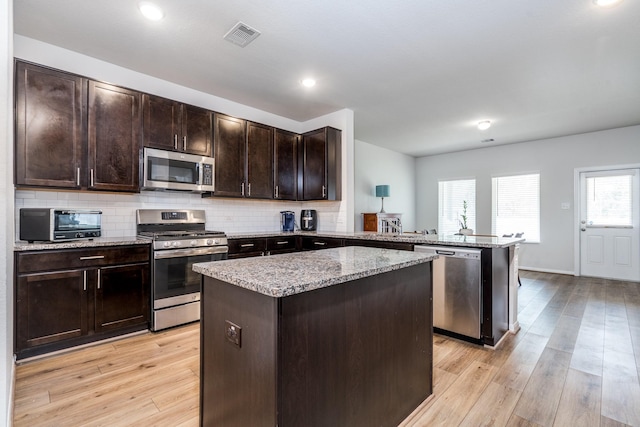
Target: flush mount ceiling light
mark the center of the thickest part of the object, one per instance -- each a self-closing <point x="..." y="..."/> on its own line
<point x="606" y="3"/>
<point x="150" y="11"/>
<point x="308" y="82"/>
<point x="484" y="125"/>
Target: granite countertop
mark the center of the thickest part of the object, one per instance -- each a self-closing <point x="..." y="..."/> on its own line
<point x="80" y="244"/>
<point x="294" y="273"/>
<point x="414" y="238"/>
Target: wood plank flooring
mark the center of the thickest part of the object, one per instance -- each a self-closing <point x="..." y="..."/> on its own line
<point x="575" y="362"/>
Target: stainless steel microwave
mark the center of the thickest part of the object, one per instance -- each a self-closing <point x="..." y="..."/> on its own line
<point x="53" y="224"/>
<point x="170" y="170"/>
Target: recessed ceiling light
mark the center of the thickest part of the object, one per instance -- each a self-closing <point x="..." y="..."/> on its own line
<point x="606" y="3"/>
<point x="484" y="125"/>
<point x="308" y="82"/>
<point x="150" y="11"/>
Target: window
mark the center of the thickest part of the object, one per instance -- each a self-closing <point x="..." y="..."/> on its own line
<point x="451" y="198"/>
<point x="609" y="200"/>
<point x="516" y="206"/>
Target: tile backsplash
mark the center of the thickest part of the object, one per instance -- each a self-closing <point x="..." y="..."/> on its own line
<point x="228" y="215"/>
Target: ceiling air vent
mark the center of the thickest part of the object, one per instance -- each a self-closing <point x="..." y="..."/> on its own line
<point x="241" y="34"/>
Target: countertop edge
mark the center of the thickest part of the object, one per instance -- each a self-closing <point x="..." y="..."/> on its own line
<point x="23" y="246"/>
<point x="416" y="239"/>
<point x="253" y="284"/>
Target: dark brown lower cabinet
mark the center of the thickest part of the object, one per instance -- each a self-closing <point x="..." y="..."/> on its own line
<point x="352" y="354"/>
<point x="64" y="298"/>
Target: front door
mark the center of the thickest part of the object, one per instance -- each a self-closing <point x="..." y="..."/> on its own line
<point x="610" y="224"/>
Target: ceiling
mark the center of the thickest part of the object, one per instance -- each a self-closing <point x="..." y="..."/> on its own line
<point x="418" y="74"/>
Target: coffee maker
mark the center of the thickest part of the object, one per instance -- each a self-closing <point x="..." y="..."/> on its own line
<point x="308" y="220"/>
<point x="287" y="220"/>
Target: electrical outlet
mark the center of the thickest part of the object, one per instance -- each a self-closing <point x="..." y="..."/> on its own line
<point x="232" y="332"/>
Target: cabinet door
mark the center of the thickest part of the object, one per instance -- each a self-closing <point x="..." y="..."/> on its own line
<point x="162" y="122"/>
<point x="313" y="243"/>
<point x="114" y="138"/>
<point x="259" y="161"/>
<point x="50" y="307"/>
<point x="314" y="165"/>
<point x="229" y="152"/>
<point x="197" y="131"/>
<point x="285" y="165"/>
<point x="122" y="297"/>
<point x="49" y="124"/>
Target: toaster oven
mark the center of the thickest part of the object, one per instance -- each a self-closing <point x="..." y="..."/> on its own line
<point x="53" y="224"/>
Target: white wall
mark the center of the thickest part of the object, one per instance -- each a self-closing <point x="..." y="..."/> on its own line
<point x="229" y="215"/>
<point x="378" y="166"/>
<point x="555" y="159"/>
<point x="6" y="211"/>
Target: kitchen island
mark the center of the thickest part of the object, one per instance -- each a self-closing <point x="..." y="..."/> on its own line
<point x="339" y="337"/>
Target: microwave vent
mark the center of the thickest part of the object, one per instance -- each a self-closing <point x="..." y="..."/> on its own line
<point x="241" y="34"/>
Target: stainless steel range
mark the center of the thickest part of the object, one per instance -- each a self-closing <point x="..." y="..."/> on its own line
<point x="179" y="240"/>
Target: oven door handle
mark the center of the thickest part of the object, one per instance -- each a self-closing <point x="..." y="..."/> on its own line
<point x="177" y="253"/>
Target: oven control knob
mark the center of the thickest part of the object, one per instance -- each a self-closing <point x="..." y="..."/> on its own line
<point x="211" y="242"/>
<point x="167" y="244"/>
<point x="176" y="244"/>
<point x="193" y="243"/>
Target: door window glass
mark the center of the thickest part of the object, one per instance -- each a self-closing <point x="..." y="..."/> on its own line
<point x="609" y="200"/>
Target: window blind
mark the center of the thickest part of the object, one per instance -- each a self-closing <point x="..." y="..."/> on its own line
<point x="451" y="197"/>
<point x="516" y="206"/>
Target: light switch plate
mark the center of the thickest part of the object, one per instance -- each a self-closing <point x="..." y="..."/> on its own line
<point x="565" y="205"/>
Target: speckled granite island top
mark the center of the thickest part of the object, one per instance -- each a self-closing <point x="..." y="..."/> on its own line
<point x="289" y="274"/>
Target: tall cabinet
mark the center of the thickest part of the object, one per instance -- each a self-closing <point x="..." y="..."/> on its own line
<point x="320" y="160"/>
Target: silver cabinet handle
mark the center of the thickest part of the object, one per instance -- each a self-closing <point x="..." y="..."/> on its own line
<point x="247" y="245"/>
<point x="282" y="243"/>
<point x="277" y="191"/>
<point x="91" y="177"/>
<point x="324" y="191"/>
<point x="184" y="143"/>
<point x="242" y="189"/>
<point x="78" y="177"/>
<point x="84" y="258"/>
<point x="99" y="278"/>
<point x="84" y="279"/>
<point x="175" y="141"/>
<point x="249" y="190"/>
<point x="320" y="243"/>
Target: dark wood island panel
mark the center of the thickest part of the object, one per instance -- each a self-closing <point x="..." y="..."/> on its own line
<point x="357" y="353"/>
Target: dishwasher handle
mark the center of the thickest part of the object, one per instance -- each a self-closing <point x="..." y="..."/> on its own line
<point x="448" y="253"/>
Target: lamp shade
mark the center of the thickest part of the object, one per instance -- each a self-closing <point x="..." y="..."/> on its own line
<point x="382" y="190"/>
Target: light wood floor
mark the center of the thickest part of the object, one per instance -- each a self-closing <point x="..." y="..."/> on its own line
<point x="576" y="362"/>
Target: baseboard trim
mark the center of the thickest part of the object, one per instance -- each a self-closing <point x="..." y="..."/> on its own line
<point x="547" y="270"/>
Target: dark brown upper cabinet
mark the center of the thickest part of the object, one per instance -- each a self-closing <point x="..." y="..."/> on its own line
<point x="75" y="133"/>
<point x="244" y="158"/>
<point x="320" y="177"/>
<point x="49" y="114"/>
<point x="114" y="138"/>
<point x="229" y="151"/>
<point x="170" y="125"/>
<point x="259" y="174"/>
<point x="285" y="165"/>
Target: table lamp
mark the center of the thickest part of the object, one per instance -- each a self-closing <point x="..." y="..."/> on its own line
<point x="382" y="191"/>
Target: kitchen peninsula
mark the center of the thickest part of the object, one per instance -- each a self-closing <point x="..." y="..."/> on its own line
<point x="341" y="336"/>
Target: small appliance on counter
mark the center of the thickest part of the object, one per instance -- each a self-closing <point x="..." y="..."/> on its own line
<point x="287" y="221"/>
<point x="55" y="225"/>
<point x="308" y="220"/>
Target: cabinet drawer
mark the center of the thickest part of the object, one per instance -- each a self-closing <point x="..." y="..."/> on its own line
<point x="246" y="246"/>
<point x="313" y="243"/>
<point x="281" y="244"/>
<point x="67" y="259"/>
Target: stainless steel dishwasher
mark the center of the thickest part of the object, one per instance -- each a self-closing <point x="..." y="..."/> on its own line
<point x="457" y="290"/>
